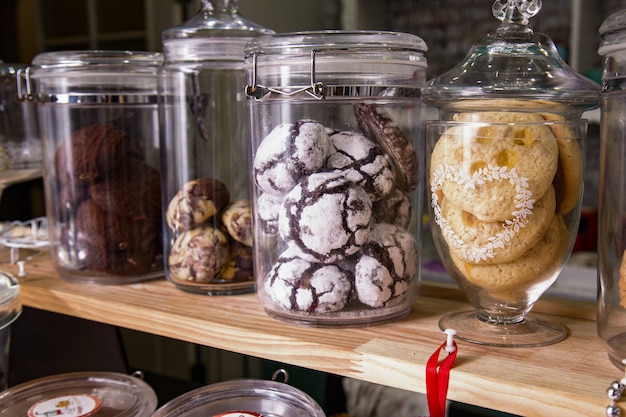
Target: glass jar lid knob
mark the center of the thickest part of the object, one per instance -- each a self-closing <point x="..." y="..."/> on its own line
<point x="515" y="11"/>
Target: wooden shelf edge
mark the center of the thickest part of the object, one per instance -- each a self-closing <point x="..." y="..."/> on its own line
<point x="572" y="375"/>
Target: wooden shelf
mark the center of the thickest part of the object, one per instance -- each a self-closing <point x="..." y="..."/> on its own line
<point x="568" y="378"/>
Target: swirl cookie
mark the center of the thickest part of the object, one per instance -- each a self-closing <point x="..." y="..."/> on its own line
<point x="196" y="202"/>
<point x="489" y="170"/>
<point x="237" y="219"/>
<point x="536" y="265"/>
<point x="199" y="255"/>
<point x="478" y="242"/>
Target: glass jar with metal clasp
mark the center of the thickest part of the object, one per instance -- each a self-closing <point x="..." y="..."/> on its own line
<point x="98" y="118"/>
<point x="336" y="148"/>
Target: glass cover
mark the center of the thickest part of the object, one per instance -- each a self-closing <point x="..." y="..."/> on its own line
<point x="109" y="394"/>
<point x="243" y="398"/>
<point x="219" y="22"/>
<point x="613" y="33"/>
<point x="512" y="66"/>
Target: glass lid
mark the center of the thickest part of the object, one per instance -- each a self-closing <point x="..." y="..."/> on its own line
<point x="80" y="394"/>
<point x="613" y="33"/>
<point x="512" y="68"/>
<point x="243" y="398"/>
<point x="216" y="31"/>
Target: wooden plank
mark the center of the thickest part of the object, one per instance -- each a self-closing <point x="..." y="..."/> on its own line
<point x="568" y="378"/>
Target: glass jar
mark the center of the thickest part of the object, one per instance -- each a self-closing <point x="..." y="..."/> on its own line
<point x="505" y="164"/>
<point x="611" y="318"/>
<point x="80" y="394"/>
<point x="242" y="398"/>
<point x="98" y="115"/>
<point x="208" y="229"/>
<point x="10" y="310"/>
<point x="336" y="125"/>
<point x="20" y="145"/>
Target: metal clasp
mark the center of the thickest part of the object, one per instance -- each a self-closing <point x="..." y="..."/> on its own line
<point x="22" y="77"/>
<point x="316" y="89"/>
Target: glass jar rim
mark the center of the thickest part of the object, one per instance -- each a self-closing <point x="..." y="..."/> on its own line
<point x="613" y="33"/>
<point x="296" y="43"/>
<point x="63" y="59"/>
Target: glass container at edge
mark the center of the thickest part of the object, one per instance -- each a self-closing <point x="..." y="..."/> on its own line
<point x="505" y="166"/>
<point x="611" y="315"/>
<point x="204" y="141"/>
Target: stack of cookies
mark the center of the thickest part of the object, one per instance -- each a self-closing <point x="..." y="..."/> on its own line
<point x="108" y="204"/>
<point x="335" y="207"/>
<point x="212" y="236"/>
<point x="501" y="189"/>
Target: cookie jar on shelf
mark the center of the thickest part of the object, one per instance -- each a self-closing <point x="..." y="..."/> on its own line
<point x="505" y="166"/>
<point x="336" y="148"/>
<point x="10" y="310"/>
<point x="20" y="145"/>
<point x="611" y="319"/>
<point x="98" y="119"/>
<point x="204" y="140"/>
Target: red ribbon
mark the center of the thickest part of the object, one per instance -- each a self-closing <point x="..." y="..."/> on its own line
<point x="437" y="381"/>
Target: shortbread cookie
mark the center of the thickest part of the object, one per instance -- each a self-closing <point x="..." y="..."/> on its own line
<point x="538" y="264"/>
<point x="287" y="153"/>
<point x="478" y="242"/>
<point x="622" y="281"/>
<point x="491" y="170"/>
<point x="569" y="174"/>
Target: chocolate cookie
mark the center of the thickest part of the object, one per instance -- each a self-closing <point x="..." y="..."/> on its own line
<point x="136" y="193"/>
<point x="288" y="152"/>
<point x="386" y="267"/>
<point x="267" y="209"/>
<point x="326" y="217"/>
<point x="196" y="202"/>
<point x="395" y="208"/>
<point x="299" y="285"/>
<point x="378" y="126"/>
<point x="132" y="261"/>
<point x="352" y="150"/>
<point x="90" y="153"/>
<point x="102" y="229"/>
